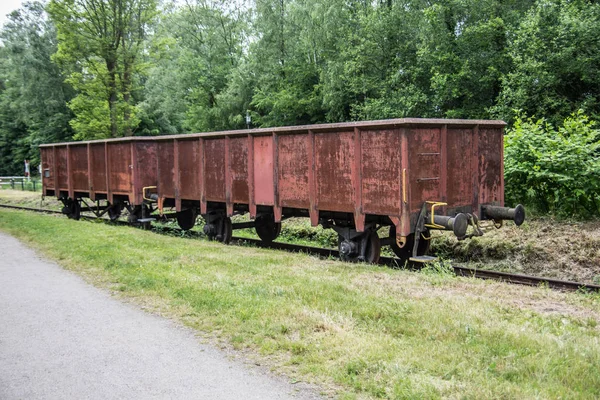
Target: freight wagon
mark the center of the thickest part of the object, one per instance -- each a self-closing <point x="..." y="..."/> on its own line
<point x="411" y="175"/>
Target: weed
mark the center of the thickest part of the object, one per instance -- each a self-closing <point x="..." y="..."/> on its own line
<point x="438" y="267"/>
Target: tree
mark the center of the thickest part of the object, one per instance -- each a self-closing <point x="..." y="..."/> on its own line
<point x="193" y="53"/>
<point x="100" y="43"/>
<point x="555" y="54"/>
<point x="33" y="94"/>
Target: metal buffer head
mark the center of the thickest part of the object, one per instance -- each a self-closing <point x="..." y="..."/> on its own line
<point x="516" y="214"/>
<point x="457" y="224"/>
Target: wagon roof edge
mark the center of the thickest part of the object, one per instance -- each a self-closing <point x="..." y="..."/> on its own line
<point x="386" y="123"/>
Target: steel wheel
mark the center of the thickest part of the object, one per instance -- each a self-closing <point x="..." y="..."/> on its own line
<point x="372" y="252"/>
<point x="186" y="219"/>
<point x="405" y="252"/>
<point x="266" y="227"/>
<point x="72" y="209"/>
<point x="219" y="230"/>
<point x="114" y="211"/>
<point x="226" y="232"/>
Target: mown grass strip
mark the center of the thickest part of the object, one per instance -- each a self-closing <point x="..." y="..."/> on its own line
<point x="361" y="330"/>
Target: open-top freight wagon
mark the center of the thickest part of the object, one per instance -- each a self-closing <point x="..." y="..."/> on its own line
<point x="411" y="175"/>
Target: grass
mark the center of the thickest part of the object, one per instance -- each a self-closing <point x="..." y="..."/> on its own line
<point x="34" y="185"/>
<point x="28" y="199"/>
<point x="356" y="330"/>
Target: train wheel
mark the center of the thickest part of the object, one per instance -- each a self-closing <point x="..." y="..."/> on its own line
<point x="227" y="231"/>
<point x="114" y="211"/>
<point x="186" y="219"/>
<point x="219" y="229"/>
<point x="72" y="209"/>
<point x="404" y="253"/>
<point x="266" y="227"/>
<point x="350" y="249"/>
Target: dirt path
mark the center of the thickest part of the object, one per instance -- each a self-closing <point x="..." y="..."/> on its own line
<point x="61" y="338"/>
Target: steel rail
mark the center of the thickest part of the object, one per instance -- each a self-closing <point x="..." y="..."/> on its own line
<point x="518" y="279"/>
<point x="40" y="210"/>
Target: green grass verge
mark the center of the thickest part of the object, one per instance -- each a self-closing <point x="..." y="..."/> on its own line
<point x="358" y="330"/>
<point x="34" y="185"/>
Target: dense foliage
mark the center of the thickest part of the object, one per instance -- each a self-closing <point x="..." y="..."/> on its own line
<point x="84" y="69"/>
<point x="554" y="169"/>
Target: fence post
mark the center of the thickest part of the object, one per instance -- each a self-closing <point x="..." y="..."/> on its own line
<point x="22" y="184"/>
<point x="34" y="185"/>
<point x="12" y="183"/>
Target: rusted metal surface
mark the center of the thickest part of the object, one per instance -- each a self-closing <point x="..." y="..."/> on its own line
<point x="188" y="168"/>
<point x="459" y="188"/>
<point x="79" y="168"/>
<point x="48" y="168"/>
<point x="380" y="167"/>
<point x="376" y="168"/>
<point x="121" y="167"/>
<point x="214" y="169"/>
<point x="165" y="173"/>
<point x="238" y="164"/>
<point x="263" y="171"/>
<point x="294" y="171"/>
<point x="145" y="168"/>
<point x="491" y="167"/>
<point x="98" y="166"/>
<point x="334" y="171"/>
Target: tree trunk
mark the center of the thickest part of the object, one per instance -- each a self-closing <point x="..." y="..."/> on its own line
<point x="126" y="90"/>
<point x="112" y="97"/>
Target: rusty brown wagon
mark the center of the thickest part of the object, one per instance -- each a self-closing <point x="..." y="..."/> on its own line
<point x="413" y="175"/>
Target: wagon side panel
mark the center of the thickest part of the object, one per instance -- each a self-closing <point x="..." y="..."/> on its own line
<point x="424" y="147"/>
<point x="48" y="179"/>
<point x="238" y="160"/>
<point x="189" y="169"/>
<point x="293" y="171"/>
<point x="165" y="170"/>
<point x="381" y="172"/>
<point x="334" y="171"/>
<point x="98" y="165"/>
<point x="120" y="168"/>
<point x="264" y="193"/>
<point x="61" y="169"/>
<point x="490" y="164"/>
<point x="214" y="169"/>
<point x="460" y="168"/>
<point x="145" y="168"/>
<point x="79" y="168"/>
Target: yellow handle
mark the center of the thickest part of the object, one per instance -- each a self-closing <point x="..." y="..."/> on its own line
<point x="434" y="204"/>
<point x="144" y="192"/>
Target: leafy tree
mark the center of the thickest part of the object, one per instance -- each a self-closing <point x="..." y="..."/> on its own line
<point x="195" y="49"/>
<point x="33" y="94"/>
<point x="100" y="42"/>
<point x="556" y="62"/>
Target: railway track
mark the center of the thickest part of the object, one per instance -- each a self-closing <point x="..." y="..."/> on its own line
<point x="518" y="279"/>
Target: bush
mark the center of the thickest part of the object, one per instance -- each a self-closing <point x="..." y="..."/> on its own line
<point x="554" y="170"/>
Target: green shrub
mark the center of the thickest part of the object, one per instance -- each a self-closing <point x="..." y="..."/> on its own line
<point x="554" y="170"/>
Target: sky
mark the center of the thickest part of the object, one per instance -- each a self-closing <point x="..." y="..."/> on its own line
<point x="6" y="7"/>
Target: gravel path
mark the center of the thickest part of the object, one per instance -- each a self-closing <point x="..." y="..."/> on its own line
<point x="61" y="338"/>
